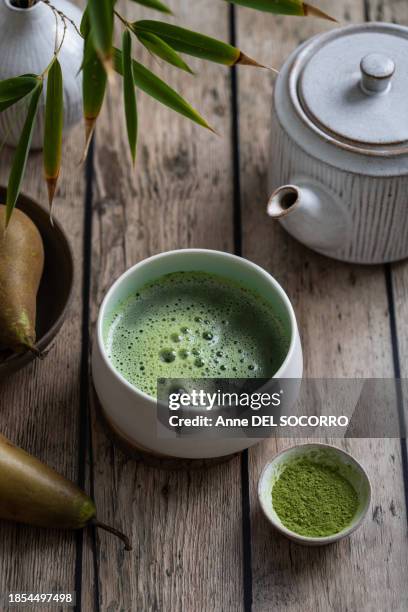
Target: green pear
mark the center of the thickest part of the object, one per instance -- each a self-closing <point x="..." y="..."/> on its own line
<point x="21" y="268"/>
<point x="33" y="493"/>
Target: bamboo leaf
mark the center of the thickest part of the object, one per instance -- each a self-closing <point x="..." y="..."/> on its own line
<point x="21" y="153"/>
<point x="93" y="90"/>
<point x="13" y="90"/>
<point x="89" y="48"/>
<point x="155" y="4"/>
<point x="192" y="43"/>
<point x="54" y="119"/>
<point x="84" y="26"/>
<point x="100" y="14"/>
<point x="85" y="30"/>
<point x="284" y="7"/>
<point x="156" y="88"/>
<point x="129" y="93"/>
<point x="160" y="48"/>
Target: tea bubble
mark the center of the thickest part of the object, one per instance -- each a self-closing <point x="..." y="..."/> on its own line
<point x="167" y="355"/>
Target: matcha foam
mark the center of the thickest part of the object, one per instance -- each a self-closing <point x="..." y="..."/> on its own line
<point x="194" y="325"/>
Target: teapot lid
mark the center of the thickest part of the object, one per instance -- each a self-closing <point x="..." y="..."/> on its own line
<point x="351" y="85"/>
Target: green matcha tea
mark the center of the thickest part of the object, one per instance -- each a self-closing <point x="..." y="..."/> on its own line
<point x="314" y="500"/>
<point x="194" y="325"/>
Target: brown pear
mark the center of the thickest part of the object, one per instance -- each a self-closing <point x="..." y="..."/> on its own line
<point x="34" y="494"/>
<point x="21" y="268"/>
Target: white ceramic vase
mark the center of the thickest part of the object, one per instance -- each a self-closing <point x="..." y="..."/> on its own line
<point x="27" y="38"/>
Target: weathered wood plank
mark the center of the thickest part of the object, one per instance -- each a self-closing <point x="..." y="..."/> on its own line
<point x="393" y="11"/>
<point x="39" y="406"/>
<point x="185" y="528"/>
<point x="396" y="12"/>
<point x="343" y="317"/>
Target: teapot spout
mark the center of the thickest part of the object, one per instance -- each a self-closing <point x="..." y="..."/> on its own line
<point x="283" y="201"/>
<point x="312" y="214"/>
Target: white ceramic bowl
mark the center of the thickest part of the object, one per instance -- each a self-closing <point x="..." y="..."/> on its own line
<point x="133" y="413"/>
<point x="321" y="454"/>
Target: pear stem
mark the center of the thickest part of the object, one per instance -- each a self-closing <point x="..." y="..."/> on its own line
<point x="114" y="531"/>
<point x="35" y="351"/>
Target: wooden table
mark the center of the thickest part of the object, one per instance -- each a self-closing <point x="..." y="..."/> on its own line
<point x="200" y="542"/>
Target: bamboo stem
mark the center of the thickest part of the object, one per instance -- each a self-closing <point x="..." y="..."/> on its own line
<point x="122" y="19"/>
<point x="64" y="18"/>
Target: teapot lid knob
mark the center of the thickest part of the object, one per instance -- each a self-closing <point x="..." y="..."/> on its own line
<point x="377" y="71"/>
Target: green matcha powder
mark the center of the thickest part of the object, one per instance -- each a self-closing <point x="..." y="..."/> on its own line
<point x="314" y="500"/>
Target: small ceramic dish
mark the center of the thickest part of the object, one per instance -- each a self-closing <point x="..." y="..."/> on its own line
<point x="56" y="284"/>
<point x="322" y="454"/>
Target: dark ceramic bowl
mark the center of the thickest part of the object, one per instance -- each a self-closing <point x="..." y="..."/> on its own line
<point x="56" y="284"/>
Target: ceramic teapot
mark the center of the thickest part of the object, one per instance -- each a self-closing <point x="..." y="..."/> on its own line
<point x="339" y="166"/>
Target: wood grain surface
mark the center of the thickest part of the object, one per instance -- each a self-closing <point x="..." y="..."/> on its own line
<point x="199" y="541"/>
<point x="40" y="406"/>
<point x="343" y="315"/>
<point x="180" y="195"/>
